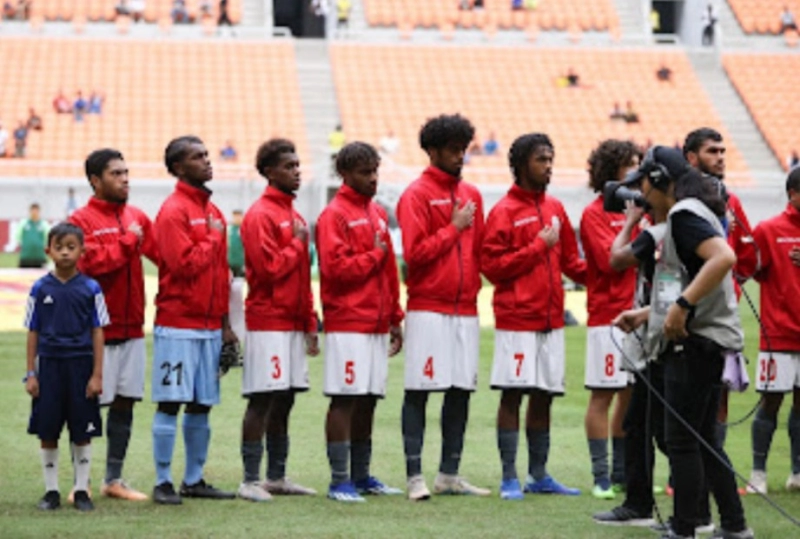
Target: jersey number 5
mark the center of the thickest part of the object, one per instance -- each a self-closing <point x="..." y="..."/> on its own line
<point x="349" y="372"/>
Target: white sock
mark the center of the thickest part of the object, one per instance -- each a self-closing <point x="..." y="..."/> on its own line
<point x="82" y="464"/>
<point x="50" y="468"/>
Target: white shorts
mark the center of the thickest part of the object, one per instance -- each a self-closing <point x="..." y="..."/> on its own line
<point x="604" y="359"/>
<point x="274" y="361"/>
<point x="441" y="351"/>
<point x="123" y="371"/>
<point x="778" y="372"/>
<point x="236" y="307"/>
<point x="529" y="360"/>
<point x="356" y="363"/>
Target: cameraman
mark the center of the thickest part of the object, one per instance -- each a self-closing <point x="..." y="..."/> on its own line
<point x="692" y="320"/>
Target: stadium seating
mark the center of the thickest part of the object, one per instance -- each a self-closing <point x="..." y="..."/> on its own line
<point x="103" y="10"/>
<point x="516" y="90"/>
<point x="550" y="14"/>
<point x="768" y="84"/>
<point x="762" y="16"/>
<point x="154" y="91"/>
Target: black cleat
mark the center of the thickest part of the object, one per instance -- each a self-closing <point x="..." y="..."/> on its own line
<point x="201" y="489"/>
<point x="623" y="516"/>
<point x="165" y="494"/>
<point x="82" y="502"/>
<point x="50" y="501"/>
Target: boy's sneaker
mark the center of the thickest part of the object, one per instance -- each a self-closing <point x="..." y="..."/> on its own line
<point x="758" y="482"/>
<point x="201" y="489"/>
<point x="453" y="484"/>
<point x="372" y="485"/>
<point x="623" y="516"/>
<point x="120" y="489"/>
<point x="417" y="489"/>
<point x="510" y="490"/>
<point x="285" y="487"/>
<point x="165" y="494"/>
<point x="618" y="488"/>
<point x="344" y="492"/>
<point x="82" y="501"/>
<point x="548" y="485"/>
<point x="603" y="493"/>
<point x="746" y="533"/>
<point x="50" y="501"/>
<point x="253" y="491"/>
<point x="793" y="482"/>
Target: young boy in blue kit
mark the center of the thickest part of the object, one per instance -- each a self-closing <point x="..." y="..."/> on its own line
<point x="65" y="316"/>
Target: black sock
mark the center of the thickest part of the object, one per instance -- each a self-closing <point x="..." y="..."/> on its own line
<point x="413" y="420"/>
<point x="455" y="413"/>
<point x="360" y="456"/>
<point x="118" y="431"/>
<point x="277" y="453"/>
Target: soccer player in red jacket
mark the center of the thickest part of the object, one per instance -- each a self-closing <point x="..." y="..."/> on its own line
<point x="778" y="368"/>
<point x="528" y="243"/>
<point x="608" y="293"/>
<point x="280" y="320"/>
<point x="117" y="235"/>
<point x="191" y="320"/>
<point x="361" y="305"/>
<point x="441" y="219"/>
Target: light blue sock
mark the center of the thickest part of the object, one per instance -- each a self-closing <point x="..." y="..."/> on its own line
<point x="164" y="428"/>
<point x="196" y="435"/>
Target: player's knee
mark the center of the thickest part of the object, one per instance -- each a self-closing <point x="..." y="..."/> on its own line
<point x="416" y="398"/>
<point x="511" y="399"/>
<point x="123" y="404"/>
<point x="169" y="408"/>
<point x="771" y="405"/>
<point x="195" y="408"/>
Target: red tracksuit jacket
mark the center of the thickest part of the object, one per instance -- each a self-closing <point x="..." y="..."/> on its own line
<point x="278" y="267"/>
<point x="443" y="263"/>
<point x="113" y="257"/>
<point x="359" y="285"/>
<point x="193" y="279"/>
<point x="740" y="238"/>
<point x="780" y="281"/>
<point x="608" y="292"/>
<point x="528" y="294"/>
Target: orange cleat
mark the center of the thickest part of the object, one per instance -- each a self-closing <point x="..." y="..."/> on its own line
<point x="121" y="490"/>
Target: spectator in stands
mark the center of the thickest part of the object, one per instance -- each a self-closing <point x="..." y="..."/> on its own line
<point x="343" y="8"/>
<point x="96" y="101"/>
<point x="787" y="20"/>
<point x="531" y="5"/>
<point x="573" y="80"/>
<point x="32" y="239"/>
<point x="34" y="122"/>
<point x="20" y="139"/>
<point x="79" y="107"/>
<point x="205" y="9"/>
<point x="491" y="146"/>
<point x="655" y="20"/>
<point x="516" y="5"/>
<point x="336" y="141"/>
<point x="224" y="17"/>
<point x="709" y="21"/>
<point x="616" y="112"/>
<point x="793" y="160"/>
<point x="72" y="202"/>
<point x="631" y="116"/>
<point x="21" y="11"/>
<point x="61" y="104"/>
<point x="477" y="5"/>
<point x="388" y="144"/>
<point x="3" y="141"/>
<point x="465" y="5"/>
<point x="664" y="73"/>
<point x="179" y="13"/>
<point x="228" y="152"/>
<point x="8" y="10"/>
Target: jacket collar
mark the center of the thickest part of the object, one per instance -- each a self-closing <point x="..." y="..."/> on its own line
<point x="106" y="206"/>
<point x="351" y="195"/>
<point x="281" y="198"/>
<point x="793" y="214"/>
<point x="197" y="194"/>
<point x="528" y="196"/>
<point x="440" y="176"/>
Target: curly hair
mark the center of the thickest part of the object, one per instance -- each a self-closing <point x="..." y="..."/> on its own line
<point x="522" y="149"/>
<point x="269" y="153"/>
<point x="606" y="160"/>
<point x="177" y="149"/>
<point x="354" y="154"/>
<point x="444" y="129"/>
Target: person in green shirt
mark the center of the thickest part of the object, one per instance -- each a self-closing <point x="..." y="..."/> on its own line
<point x="32" y="239"/>
<point x="235" y="249"/>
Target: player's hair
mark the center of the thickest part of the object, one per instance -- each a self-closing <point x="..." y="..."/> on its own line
<point x="698" y="137"/>
<point x="606" y="160"/>
<point x="269" y="153"/>
<point x="237" y="212"/>
<point x="62" y="230"/>
<point x="522" y="149"/>
<point x="793" y="180"/>
<point x="34" y="206"/>
<point x="98" y="160"/>
<point x="177" y="149"/>
<point x="706" y="188"/>
<point x="444" y="129"/>
<point x="355" y="154"/>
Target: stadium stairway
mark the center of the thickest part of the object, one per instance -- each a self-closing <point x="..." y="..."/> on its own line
<point x="731" y="31"/>
<point x="254" y="12"/>
<point x="734" y="114"/>
<point x="632" y="18"/>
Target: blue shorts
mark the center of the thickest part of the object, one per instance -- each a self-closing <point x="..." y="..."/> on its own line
<point x="62" y="399"/>
<point x="186" y="365"/>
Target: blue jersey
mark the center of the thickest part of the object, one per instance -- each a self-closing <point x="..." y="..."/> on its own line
<point x="64" y="315"/>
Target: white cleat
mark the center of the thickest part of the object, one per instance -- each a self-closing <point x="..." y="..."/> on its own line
<point x="417" y="489"/>
<point x="453" y="484"/>
<point x="253" y="491"/>
<point x="285" y="487"/>
<point x="758" y="482"/>
<point x="793" y="482"/>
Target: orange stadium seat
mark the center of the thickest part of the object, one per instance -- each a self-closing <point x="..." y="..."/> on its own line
<point x="768" y="84"/>
<point x="380" y="86"/>
<point x="103" y="10"/>
<point x="555" y="14"/>
<point x="762" y="16"/>
<point x="247" y="93"/>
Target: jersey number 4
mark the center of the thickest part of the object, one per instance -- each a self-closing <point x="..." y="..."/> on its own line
<point x="427" y="369"/>
<point x="169" y="370"/>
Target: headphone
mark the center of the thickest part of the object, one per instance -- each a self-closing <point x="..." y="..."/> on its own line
<point x="657" y="173"/>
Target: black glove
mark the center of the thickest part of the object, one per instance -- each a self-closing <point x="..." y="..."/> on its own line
<point x="229" y="356"/>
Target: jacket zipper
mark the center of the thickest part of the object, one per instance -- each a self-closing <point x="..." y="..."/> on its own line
<point x="549" y="272"/>
<point x="305" y="265"/>
<point x="130" y="278"/>
<point x="213" y="286"/>
<point x="460" y="260"/>
<point x="380" y="274"/>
